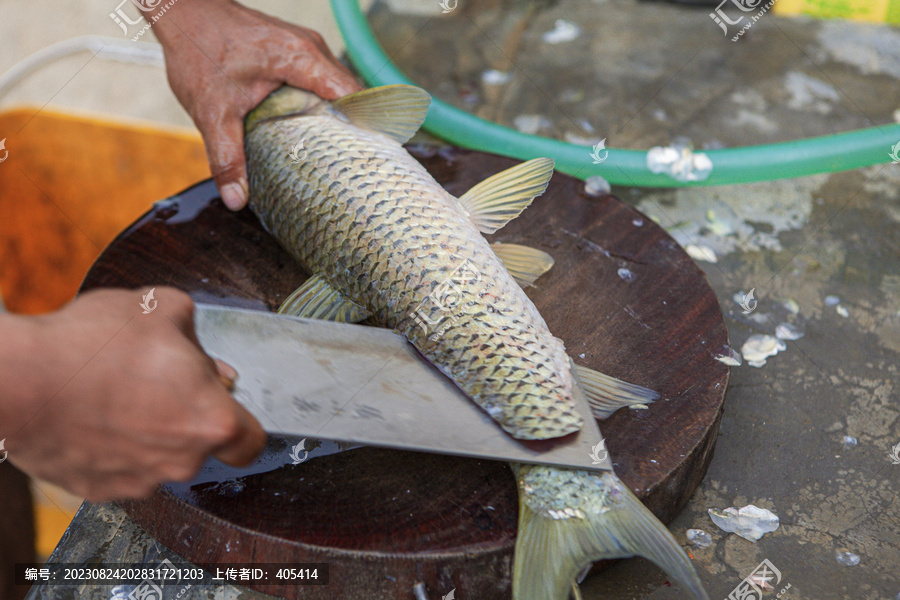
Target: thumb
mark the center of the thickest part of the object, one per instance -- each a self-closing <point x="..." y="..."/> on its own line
<point x="225" y="152"/>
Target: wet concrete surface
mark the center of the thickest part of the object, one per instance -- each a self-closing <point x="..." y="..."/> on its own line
<point x="642" y="74"/>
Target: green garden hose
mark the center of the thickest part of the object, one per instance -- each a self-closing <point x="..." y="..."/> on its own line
<point x="826" y="154"/>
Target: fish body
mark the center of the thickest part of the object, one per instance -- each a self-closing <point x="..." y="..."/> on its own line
<point x="386" y="242"/>
<point x="369" y="219"/>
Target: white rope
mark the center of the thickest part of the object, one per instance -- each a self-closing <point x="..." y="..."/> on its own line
<point x="107" y="48"/>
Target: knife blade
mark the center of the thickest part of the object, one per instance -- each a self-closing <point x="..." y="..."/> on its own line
<point x="367" y="385"/>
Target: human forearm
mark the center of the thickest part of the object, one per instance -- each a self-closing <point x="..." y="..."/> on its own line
<point x="20" y="374"/>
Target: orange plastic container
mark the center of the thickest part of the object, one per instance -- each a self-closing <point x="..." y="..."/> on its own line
<point x="69" y="184"/>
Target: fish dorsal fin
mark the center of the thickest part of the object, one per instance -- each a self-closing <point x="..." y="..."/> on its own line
<point x="606" y="394"/>
<point x="500" y="198"/>
<point x="394" y="110"/>
<point x="525" y="264"/>
<point x="317" y="299"/>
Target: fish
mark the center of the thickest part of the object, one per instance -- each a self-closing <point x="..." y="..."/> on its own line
<point x="386" y="243"/>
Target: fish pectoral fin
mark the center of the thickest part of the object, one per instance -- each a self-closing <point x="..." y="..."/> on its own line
<point x="394" y="110"/>
<point x="502" y="197"/>
<point x="606" y="394"/>
<point x="551" y="550"/>
<point x="317" y="299"/>
<point x="524" y="263"/>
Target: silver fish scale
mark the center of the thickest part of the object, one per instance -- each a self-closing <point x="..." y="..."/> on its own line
<point x="558" y="493"/>
<point x="364" y="214"/>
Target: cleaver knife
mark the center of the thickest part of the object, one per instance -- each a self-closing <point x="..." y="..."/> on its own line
<point x="367" y="385"/>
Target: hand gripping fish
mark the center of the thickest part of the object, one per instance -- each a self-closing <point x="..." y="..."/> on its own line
<point x="385" y="241"/>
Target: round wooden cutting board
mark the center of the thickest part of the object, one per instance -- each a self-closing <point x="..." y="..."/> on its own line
<point x="624" y="298"/>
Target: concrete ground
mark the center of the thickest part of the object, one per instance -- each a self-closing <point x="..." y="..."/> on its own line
<point x="639" y="75"/>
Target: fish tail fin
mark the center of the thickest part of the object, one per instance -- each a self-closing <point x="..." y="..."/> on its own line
<point x="556" y="544"/>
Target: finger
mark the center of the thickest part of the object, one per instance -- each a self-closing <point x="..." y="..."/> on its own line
<point x="176" y="305"/>
<point x="179" y="308"/>
<point x="314" y="52"/>
<point x="247" y="442"/>
<point x="321" y="74"/>
<point x="183" y="318"/>
<point x="224" y="140"/>
<point x="227" y="374"/>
